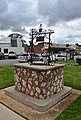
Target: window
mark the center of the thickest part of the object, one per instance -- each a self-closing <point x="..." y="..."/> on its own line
<point x="5" y="50"/>
<point x="13" y="42"/>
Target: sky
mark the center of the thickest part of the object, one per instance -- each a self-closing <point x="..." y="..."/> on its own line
<point x="63" y="16"/>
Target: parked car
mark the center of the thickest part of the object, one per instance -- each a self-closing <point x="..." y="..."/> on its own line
<point x="60" y="57"/>
<point x="23" y="57"/>
<point x="12" y="54"/>
<point x="26" y="57"/>
<point x="45" y="57"/>
<point x="77" y="56"/>
<point x="1" y="56"/>
<point x="35" y="57"/>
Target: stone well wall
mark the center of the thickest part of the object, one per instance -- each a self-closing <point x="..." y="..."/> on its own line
<point x="40" y="84"/>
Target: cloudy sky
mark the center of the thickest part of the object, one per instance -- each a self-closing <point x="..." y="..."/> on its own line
<point x="64" y="16"/>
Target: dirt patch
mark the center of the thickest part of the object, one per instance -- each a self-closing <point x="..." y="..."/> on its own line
<point x="32" y="114"/>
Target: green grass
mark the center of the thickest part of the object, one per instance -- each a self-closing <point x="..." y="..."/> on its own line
<point x="70" y="61"/>
<point x="72" y="76"/>
<point x="67" y="62"/>
<point x="73" y="112"/>
<point x="6" y="76"/>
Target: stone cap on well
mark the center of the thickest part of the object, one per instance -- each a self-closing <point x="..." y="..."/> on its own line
<point x="39" y="67"/>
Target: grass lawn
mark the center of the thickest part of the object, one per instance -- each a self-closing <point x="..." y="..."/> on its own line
<point x="72" y="112"/>
<point x="6" y="76"/>
<point x="72" y="76"/>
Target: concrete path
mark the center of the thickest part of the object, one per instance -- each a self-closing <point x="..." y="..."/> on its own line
<point x="7" y="114"/>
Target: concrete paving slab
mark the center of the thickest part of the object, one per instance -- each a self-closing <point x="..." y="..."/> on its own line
<point x="7" y="114"/>
<point x="37" y="104"/>
<point x="31" y="114"/>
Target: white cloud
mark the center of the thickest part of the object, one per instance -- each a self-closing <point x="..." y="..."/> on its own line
<point x="60" y="10"/>
<point x="64" y="16"/>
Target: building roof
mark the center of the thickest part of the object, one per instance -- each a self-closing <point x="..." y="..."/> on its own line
<point x="5" y="40"/>
<point x="16" y="35"/>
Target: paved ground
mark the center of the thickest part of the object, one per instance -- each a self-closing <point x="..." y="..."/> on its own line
<point x="8" y="61"/>
<point x="31" y="114"/>
<point x="7" y="114"/>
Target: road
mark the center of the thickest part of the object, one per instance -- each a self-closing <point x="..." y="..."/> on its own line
<point x="8" y="61"/>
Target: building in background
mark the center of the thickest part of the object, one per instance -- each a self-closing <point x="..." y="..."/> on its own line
<point x="56" y="48"/>
<point x="38" y="48"/>
<point x="13" y="42"/>
<point x="78" y="48"/>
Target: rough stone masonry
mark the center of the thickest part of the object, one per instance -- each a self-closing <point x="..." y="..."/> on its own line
<point x="38" y="83"/>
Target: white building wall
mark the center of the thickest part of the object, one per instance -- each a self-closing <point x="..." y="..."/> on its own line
<point x="19" y="42"/>
<point x="2" y="45"/>
<point x="6" y="44"/>
<point x="16" y="49"/>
